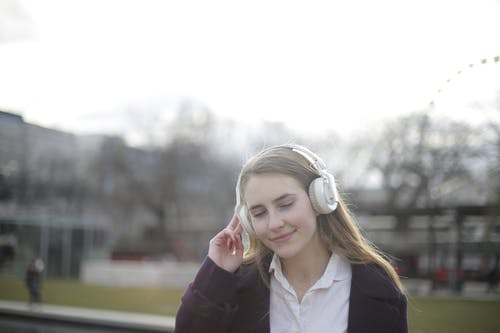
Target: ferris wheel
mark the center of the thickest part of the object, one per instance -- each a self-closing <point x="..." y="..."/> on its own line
<point x="460" y="73"/>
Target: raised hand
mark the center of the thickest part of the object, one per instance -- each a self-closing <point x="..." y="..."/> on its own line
<point x="226" y="248"/>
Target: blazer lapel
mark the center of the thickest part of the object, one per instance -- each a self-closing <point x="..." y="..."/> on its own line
<point x="371" y="305"/>
<point x="253" y="302"/>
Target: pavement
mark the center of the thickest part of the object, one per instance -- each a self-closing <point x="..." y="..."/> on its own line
<point x="83" y="316"/>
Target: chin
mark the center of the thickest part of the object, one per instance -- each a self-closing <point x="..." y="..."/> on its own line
<point x="285" y="252"/>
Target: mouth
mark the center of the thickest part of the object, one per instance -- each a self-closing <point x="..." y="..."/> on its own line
<point x="283" y="238"/>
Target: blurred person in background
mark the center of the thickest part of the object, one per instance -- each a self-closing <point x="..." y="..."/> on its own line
<point x="33" y="279"/>
<point x="492" y="278"/>
<point x="292" y="259"/>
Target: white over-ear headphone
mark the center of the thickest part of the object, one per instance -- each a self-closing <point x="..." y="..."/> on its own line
<point x="322" y="190"/>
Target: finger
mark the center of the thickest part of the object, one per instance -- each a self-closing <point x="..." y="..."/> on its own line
<point x="239" y="244"/>
<point x="234" y="222"/>
<point x="230" y="239"/>
<point x="219" y="235"/>
<point x="238" y="249"/>
<point x="239" y="229"/>
<point x="222" y="237"/>
<point x="233" y="236"/>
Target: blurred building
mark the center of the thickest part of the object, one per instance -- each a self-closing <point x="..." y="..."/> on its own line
<point x="41" y="210"/>
<point x="70" y="198"/>
<point x="448" y="245"/>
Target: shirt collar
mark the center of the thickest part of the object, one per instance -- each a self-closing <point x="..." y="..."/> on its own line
<point x="337" y="269"/>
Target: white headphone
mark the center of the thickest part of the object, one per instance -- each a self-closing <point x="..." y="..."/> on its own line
<point x="322" y="190"/>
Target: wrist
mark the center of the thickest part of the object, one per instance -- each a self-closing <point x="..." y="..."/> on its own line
<point x="214" y="281"/>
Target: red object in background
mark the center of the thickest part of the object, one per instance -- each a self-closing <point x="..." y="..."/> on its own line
<point x="443" y="274"/>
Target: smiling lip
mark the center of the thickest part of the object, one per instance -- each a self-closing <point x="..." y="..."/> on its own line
<point x="283" y="238"/>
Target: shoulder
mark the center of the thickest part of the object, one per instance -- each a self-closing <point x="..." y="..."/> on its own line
<point x="376" y="298"/>
<point x="248" y="275"/>
<point x="374" y="281"/>
<point x="212" y="276"/>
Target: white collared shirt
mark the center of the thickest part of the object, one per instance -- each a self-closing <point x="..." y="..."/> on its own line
<point x="324" y="307"/>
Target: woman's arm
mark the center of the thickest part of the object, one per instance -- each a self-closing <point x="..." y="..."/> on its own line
<point x="209" y="302"/>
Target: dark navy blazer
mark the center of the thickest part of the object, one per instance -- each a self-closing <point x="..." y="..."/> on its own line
<point x="218" y="301"/>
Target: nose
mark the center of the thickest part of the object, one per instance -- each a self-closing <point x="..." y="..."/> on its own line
<point x="275" y="221"/>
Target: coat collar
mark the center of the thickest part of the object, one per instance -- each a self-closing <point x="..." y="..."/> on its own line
<point x="373" y="299"/>
<point x="373" y="281"/>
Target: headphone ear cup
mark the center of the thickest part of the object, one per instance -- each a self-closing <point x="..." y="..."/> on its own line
<point x="320" y="197"/>
<point x="317" y="197"/>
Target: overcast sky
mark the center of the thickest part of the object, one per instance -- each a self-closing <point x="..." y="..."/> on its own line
<point x="311" y="64"/>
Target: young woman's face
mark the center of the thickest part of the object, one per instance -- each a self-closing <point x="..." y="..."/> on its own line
<point x="281" y="214"/>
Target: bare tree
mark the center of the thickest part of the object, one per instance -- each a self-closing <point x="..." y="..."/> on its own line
<point x="177" y="183"/>
<point x="492" y="149"/>
<point x="424" y="161"/>
<point x="490" y="111"/>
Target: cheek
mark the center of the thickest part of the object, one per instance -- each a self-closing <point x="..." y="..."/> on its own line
<point x="308" y="219"/>
<point x="259" y="228"/>
<point x="303" y="206"/>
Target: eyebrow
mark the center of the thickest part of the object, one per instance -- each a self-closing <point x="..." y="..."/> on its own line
<point x="281" y="197"/>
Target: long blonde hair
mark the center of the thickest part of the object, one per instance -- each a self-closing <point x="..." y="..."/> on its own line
<point x="338" y="229"/>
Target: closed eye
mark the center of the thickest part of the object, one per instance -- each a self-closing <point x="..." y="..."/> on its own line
<point x="258" y="214"/>
<point x="286" y="204"/>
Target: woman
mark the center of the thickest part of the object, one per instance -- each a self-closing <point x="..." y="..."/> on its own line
<point x="306" y="267"/>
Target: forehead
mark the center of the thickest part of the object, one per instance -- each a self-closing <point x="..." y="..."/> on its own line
<point x="267" y="187"/>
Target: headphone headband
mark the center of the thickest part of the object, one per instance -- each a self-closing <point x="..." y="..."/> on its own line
<point x="316" y="162"/>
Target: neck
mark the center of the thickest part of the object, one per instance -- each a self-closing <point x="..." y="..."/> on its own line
<point x="304" y="269"/>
